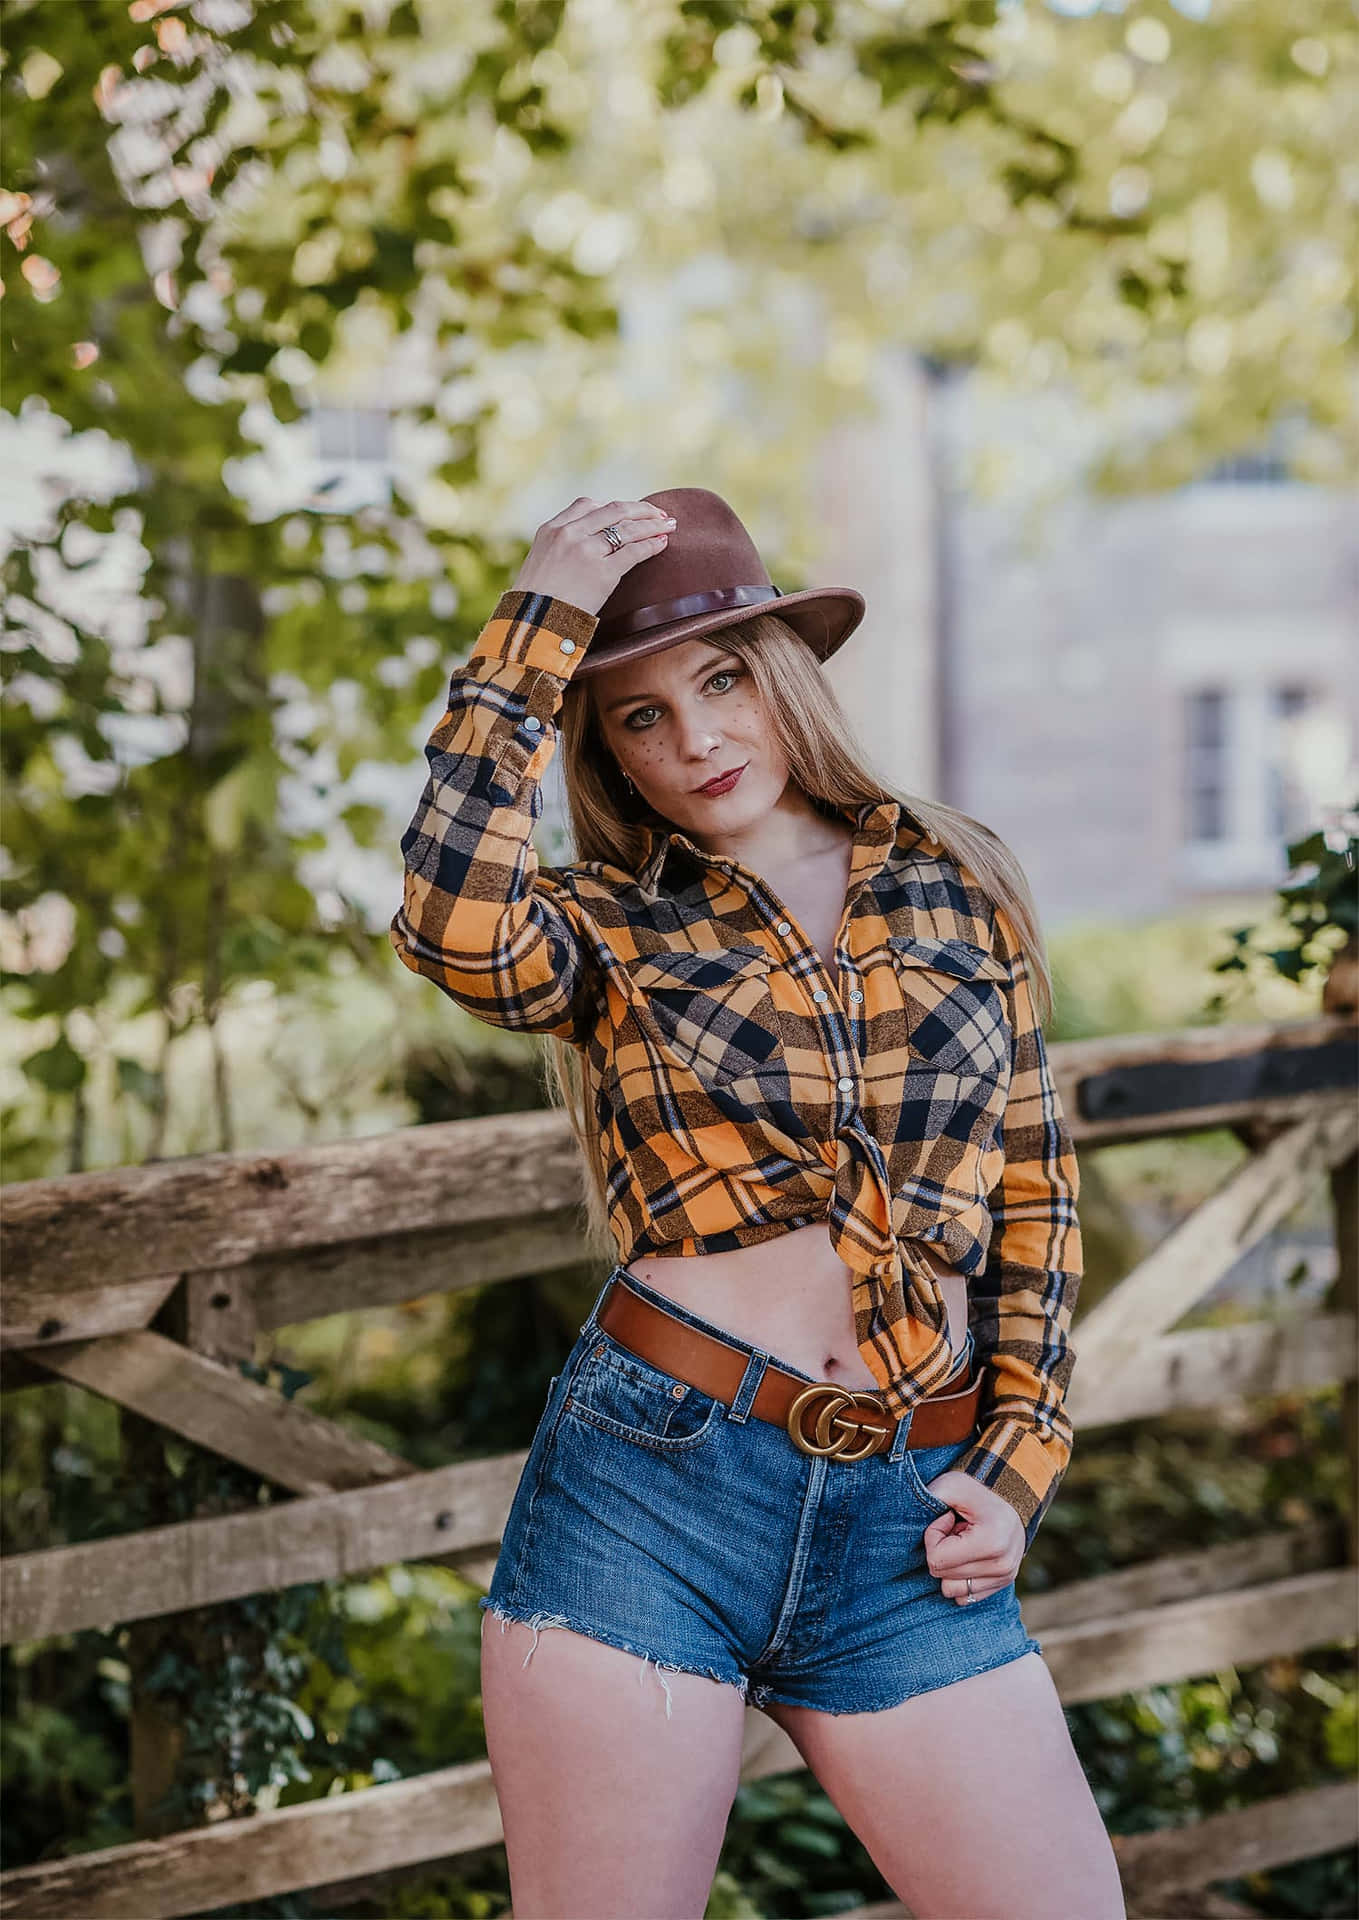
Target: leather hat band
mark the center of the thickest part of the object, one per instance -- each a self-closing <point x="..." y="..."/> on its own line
<point x="709" y="601"/>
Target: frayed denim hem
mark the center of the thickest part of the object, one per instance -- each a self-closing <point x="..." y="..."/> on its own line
<point x="761" y="1695"/>
<point x="537" y="1621"/>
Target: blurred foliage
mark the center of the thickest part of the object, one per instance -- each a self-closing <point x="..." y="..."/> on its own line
<point x="1319" y="904"/>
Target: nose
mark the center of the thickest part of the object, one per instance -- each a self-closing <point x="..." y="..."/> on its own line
<point x="696" y="736"/>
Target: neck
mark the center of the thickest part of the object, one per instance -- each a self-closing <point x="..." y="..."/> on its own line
<point x="794" y="829"/>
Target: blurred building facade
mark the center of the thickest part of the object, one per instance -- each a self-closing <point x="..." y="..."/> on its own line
<point x="1146" y="696"/>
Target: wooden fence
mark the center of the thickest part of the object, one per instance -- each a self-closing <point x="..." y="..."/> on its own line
<point x="215" y="1248"/>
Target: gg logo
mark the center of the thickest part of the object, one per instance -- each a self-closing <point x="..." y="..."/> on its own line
<point x="832" y="1429"/>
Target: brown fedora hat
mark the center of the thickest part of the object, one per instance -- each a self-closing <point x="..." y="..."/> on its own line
<point x="708" y="575"/>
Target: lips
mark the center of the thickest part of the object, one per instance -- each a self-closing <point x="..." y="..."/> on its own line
<point x="724" y="782"/>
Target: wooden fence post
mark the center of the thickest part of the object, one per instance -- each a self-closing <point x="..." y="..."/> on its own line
<point x="1341" y="995"/>
<point x="213" y="1313"/>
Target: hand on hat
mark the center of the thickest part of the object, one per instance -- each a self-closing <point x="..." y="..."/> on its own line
<point x="572" y="559"/>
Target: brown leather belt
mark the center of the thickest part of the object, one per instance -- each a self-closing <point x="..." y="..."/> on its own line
<point x="822" y="1417"/>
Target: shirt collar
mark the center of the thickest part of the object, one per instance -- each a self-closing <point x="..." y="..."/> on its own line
<point x="878" y="825"/>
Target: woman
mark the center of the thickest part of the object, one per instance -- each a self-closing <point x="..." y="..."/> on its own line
<point x="816" y="1412"/>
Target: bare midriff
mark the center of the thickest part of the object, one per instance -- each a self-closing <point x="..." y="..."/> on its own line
<point x="789" y="1296"/>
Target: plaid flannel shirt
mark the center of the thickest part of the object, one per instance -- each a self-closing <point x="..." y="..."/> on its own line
<point x="740" y="1088"/>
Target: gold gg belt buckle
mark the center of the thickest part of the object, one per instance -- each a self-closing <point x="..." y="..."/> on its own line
<point x="831" y="1429"/>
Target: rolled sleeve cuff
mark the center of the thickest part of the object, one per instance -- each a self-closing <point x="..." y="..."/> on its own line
<point x="535" y="630"/>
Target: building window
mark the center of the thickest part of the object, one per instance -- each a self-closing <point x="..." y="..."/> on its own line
<point x="352" y="433"/>
<point x="1260" y="761"/>
<point x="350" y="462"/>
<point x="1286" y="798"/>
<point x="1249" y="470"/>
<point x="1206" y="772"/>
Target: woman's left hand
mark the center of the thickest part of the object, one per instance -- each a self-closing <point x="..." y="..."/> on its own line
<point x="980" y="1539"/>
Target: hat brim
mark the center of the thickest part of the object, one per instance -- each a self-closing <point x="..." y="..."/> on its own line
<point x="822" y="616"/>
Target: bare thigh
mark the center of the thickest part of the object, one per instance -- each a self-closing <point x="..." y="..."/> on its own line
<point x="610" y="1807"/>
<point x="970" y="1799"/>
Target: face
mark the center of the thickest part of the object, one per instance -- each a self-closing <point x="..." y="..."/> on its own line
<point x="676" y="718"/>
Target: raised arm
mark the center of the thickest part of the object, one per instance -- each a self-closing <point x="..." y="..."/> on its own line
<point x="474" y="918"/>
<point x="1021" y="1304"/>
<point x="478" y="917"/>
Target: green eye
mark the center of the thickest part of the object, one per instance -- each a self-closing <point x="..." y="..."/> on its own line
<point x="722" y="673"/>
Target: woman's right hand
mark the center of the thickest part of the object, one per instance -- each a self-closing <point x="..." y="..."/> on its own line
<point x="572" y="560"/>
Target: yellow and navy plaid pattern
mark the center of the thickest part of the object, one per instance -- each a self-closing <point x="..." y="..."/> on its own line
<point x="741" y="1088"/>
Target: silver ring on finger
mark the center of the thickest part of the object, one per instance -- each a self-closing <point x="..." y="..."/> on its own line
<point x="614" y="538"/>
<point x="969" y="1586"/>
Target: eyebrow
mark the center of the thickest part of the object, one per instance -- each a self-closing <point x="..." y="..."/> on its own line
<point x="704" y="666"/>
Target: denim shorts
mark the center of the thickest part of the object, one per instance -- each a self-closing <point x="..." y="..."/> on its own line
<point x="665" y="1522"/>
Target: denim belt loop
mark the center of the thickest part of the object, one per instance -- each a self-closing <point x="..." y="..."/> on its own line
<point x="749" y="1387"/>
<point x="591" y="1321"/>
<point x="902" y="1437"/>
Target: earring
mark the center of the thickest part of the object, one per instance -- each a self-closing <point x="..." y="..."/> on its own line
<point x="628" y="777"/>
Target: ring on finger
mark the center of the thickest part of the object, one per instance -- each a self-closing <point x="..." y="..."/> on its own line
<point x="969" y="1587"/>
<point x="614" y="538"/>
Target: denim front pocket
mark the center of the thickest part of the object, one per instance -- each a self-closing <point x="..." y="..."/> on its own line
<point x="618" y="1392"/>
<point x="922" y="1464"/>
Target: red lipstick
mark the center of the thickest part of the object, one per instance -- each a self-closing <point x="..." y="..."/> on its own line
<point x="723" y="782"/>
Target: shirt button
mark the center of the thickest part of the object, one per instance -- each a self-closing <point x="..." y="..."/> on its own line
<point x="533" y="723"/>
<point x="566" y="646"/>
<point x="844" y="1083"/>
<point x="784" y="926"/>
<point x="855" y="995"/>
<point x="821" y="994"/>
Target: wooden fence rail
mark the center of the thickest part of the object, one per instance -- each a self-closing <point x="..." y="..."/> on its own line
<point x="148" y="1285"/>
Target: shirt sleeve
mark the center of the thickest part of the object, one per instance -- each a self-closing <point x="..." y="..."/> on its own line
<point x="1021" y="1304"/>
<point x="479" y="917"/>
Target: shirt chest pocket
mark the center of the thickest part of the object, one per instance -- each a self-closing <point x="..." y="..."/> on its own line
<point x="954" y="999"/>
<point x="713" y="1011"/>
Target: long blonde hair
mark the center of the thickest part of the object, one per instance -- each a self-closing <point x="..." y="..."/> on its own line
<point x="609" y="822"/>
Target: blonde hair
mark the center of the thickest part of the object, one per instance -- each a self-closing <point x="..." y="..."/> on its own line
<point x="609" y="823"/>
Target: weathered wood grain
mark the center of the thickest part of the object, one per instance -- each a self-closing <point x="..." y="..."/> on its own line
<point x="1095" y="1659"/>
<point x="1208" y="1365"/>
<point x="35" y="1316"/>
<point x="218" y="1408"/>
<point x="1234" y="1567"/>
<point x="1195" y="1254"/>
<point x="320" y="1537"/>
<point x="224" y="1209"/>
<point x="1293" y="1826"/>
